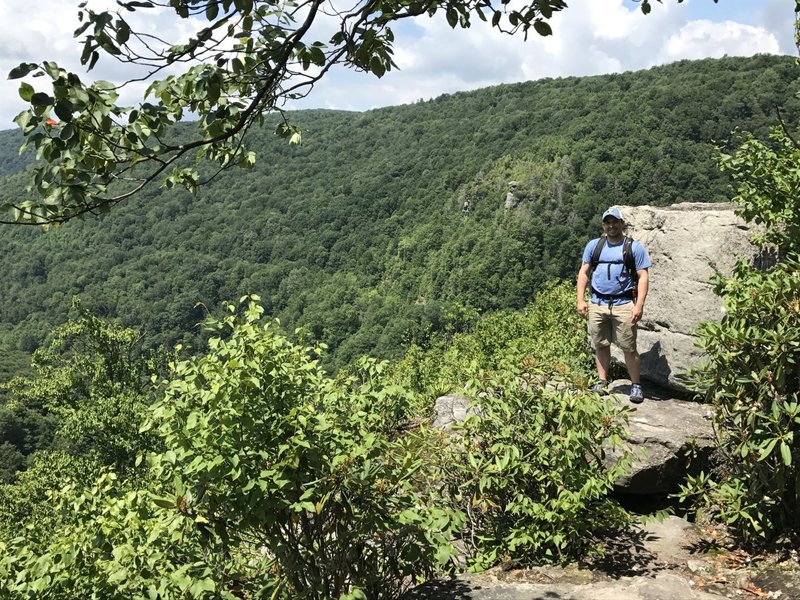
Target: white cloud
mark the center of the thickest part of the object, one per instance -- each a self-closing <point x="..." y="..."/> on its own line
<point x="701" y="39"/>
<point x="47" y="34"/>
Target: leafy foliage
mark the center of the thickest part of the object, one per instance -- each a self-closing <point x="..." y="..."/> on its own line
<point x="86" y="397"/>
<point x="753" y="373"/>
<point x="548" y="333"/>
<point x="93" y="380"/>
<point x="529" y="470"/>
<point x="359" y="235"/>
<point x="271" y="479"/>
<point x="274" y="480"/>
<point x="245" y="59"/>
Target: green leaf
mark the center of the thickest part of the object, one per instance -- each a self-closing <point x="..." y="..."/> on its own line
<point x="41" y="99"/>
<point x="64" y="110"/>
<point x="542" y="28"/>
<point x="102" y="84"/>
<point x="123" y="32"/>
<point x="164" y="502"/>
<point x="118" y="576"/>
<point x="22" y="70"/>
<point x="132" y="6"/>
<point x="202" y="585"/>
<point x="377" y="67"/>
<point x="212" y="10"/>
<point x="26" y="91"/>
<point x="786" y="453"/>
<point x="452" y="17"/>
<point x="767" y="450"/>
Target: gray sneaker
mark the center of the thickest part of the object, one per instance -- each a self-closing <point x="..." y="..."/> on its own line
<point x="601" y="387"/>
<point x="637" y="393"/>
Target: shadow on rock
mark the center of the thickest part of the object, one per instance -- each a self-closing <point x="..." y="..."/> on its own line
<point x="453" y="589"/>
<point x="627" y="555"/>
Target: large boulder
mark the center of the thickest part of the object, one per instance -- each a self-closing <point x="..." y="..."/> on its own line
<point x="670" y="439"/>
<point x="685" y="242"/>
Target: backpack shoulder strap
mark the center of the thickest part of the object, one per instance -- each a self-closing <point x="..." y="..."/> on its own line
<point x="598" y="248"/>
<point x="627" y="255"/>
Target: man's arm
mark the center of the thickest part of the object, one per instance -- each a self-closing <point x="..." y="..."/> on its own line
<point x="642" y="287"/>
<point x="583" y="283"/>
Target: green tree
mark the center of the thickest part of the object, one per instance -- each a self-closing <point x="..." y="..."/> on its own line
<point x="93" y="379"/>
<point x="753" y="372"/>
<point x="273" y="479"/>
<point x="77" y="414"/>
<point x="244" y="62"/>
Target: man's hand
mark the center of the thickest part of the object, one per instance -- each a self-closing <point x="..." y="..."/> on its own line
<point x="636" y="313"/>
<point x="583" y="307"/>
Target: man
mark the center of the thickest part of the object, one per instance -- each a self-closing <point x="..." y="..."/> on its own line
<point x="617" y="299"/>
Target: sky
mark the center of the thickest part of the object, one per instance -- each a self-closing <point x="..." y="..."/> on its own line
<point x="591" y="37"/>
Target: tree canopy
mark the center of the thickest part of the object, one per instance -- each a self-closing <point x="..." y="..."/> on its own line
<point x="245" y="60"/>
<point x="359" y="235"/>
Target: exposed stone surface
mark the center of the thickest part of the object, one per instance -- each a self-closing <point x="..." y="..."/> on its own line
<point x="683" y="240"/>
<point x="669" y="560"/>
<point x="450" y="409"/>
<point x="511" y="197"/>
<point x="646" y="564"/>
<point x="664" y="586"/>
<point x="669" y="437"/>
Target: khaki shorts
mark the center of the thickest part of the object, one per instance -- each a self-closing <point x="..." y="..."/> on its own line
<point x="609" y="324"/>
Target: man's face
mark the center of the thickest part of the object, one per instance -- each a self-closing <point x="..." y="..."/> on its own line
<point x="612" y="227"/>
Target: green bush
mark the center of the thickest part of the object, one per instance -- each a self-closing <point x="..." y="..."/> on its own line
<point x="529" y="472"/>
<point x="275" y="481"/>
<point x="268" y="479"/>
<point x="548" y="333"/>
<point x="752" y="374"/>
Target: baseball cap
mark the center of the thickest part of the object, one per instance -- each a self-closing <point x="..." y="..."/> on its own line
<point x="613" y="212"/>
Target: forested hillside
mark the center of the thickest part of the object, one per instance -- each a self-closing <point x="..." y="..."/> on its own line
<point x="389" y="225"/>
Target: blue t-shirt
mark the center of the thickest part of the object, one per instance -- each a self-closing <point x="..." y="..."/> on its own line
<point x="611" y="278"/>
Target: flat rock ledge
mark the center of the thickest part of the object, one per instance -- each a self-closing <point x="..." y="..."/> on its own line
<point x="662" y="586"/>
<point x="671" y="439"/>
<point x="667" y="560"/>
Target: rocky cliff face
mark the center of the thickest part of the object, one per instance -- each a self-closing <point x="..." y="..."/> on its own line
<point x="685" y="241"/>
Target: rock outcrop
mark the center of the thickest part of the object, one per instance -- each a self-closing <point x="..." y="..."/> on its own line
<point x="667" y="560"/>
<point x="661" y="586"/>
<point x="451" y="409"/>
<point x="670" y="438"/>
<point x="511" y="196"/>
<point x="684" y="241"/>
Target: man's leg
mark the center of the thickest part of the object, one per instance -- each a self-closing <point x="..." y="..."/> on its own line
<point x="625" y="334"/>
<point x="633" y="363"/>
<point x="626" y="338"/>
<point x="600" y="331"/>
<point x="602" y="357"/>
